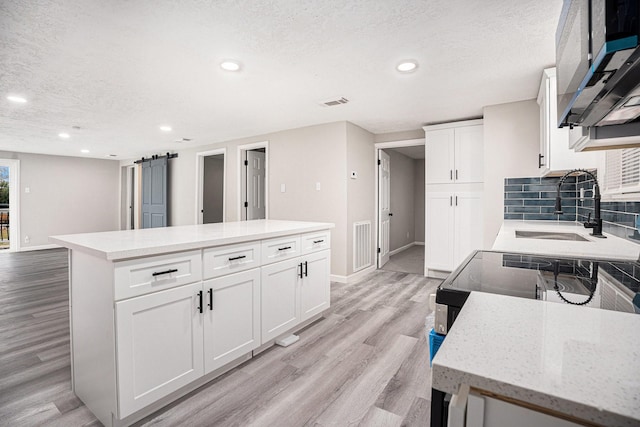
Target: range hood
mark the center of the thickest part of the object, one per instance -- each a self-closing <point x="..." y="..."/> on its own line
<point x="598" y="63"/>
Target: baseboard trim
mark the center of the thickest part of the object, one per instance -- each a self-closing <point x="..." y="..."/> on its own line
<point x="38" y="248"/>
<point x="418" y="243"/>
<point x="353" y="277"/>
<point x="400" y="249"/>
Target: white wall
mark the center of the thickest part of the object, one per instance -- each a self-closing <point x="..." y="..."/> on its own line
<point x="66" y="195"/>
<point x="511" y="147"/>
<point x="402" y="203"/>
<point x="298" y="158"/>
<point x="399" y="136"/>
<point x="361" y="157"/>
<point x="418" y="197"/>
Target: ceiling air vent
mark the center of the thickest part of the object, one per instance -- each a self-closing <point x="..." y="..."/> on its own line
<point x="334" y="101"/>
<point x="183" y="140"/>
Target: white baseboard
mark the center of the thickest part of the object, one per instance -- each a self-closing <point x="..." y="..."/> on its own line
<point x="418" y="243"/>
<point x="400" y="249"/>
<point x="353" y="277"/>
<point x="38" y="248"/>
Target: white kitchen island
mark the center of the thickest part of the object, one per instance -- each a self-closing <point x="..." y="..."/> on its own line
<point x="156" y="313"/>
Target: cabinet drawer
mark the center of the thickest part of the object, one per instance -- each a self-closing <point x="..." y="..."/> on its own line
<point x="316" y="241"/>
<point x="230" y="259"/>
<point x="145" y="275"/>
<point x="280" y="249"/>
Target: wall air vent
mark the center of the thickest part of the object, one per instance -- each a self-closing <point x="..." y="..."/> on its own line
<point x="334" y="101"/>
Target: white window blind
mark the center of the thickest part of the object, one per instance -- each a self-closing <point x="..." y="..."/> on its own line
<point x="622" y="171"/>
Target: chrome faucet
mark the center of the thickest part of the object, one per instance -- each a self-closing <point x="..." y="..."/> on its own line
<point x="596" y="224"/>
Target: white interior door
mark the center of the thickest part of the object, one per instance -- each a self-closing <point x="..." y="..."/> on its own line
<point x="255" y="185"/>
<point x="384" y="206"/>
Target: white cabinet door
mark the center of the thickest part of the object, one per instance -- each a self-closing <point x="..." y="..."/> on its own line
<point x="315" y="284"/>
<point x="439" y="236"/>
<point x="232" y="317"/>
<point x="279" y="298"/>
<point x="469" y="154"/>
<point x="468" y="224"/>
<point x="159" y="345"/>
<point x="440" y="146"/>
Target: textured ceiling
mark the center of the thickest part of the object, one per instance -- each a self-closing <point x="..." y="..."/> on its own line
<point x="119" y="69"/>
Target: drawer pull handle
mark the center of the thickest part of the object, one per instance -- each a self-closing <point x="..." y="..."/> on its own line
<point x="237" y="257"/>
<point x="210" y="292"/>
<point x="160" y="273"/>
<point x="200" y="301"/>
<point x="318" y="241"/>
<point x="285" y="248"/>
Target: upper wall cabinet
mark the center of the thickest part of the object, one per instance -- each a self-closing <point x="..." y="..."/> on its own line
<point x="454" y="152"/>
<point x="555" y="154"/>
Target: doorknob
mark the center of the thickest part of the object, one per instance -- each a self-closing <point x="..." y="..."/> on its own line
<point x="390" y="214"/>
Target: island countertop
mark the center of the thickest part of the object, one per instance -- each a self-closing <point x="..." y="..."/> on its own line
<point x="578" y="361"/>
<point x="612" y="247"/>
<point x="117" y="245"/>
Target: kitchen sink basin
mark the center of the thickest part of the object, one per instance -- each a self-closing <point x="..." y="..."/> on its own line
<point x="549" y="235"/>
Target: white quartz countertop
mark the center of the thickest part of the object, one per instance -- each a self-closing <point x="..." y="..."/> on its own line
<point x="115" y="245"/>
<point x="612" y="247"/>
<point x="575" y="360"/>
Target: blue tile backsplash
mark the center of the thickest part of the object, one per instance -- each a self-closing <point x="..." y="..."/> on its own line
<point x="534" y="199"/>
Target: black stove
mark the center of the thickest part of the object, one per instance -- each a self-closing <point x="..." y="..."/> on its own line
<point x="607" y="284"/>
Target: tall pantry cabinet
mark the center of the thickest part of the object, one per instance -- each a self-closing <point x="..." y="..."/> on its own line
<point x="454" y="186"/>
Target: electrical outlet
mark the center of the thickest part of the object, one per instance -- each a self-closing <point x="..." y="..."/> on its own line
<point x="27" y="190"/>
<point x="27" y="239"/>
<point x="318" y="186"/>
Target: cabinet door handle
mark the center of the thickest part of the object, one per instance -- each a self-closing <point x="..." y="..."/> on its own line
<point x="285" y="248"/>
<point x="300" y="272"/>
<point x="456" y="174"/>
<point x="450" y="174"/>
<point x="306" y="269"/>
<point x="160" y="273"/>
<point x="450" y="200"/>
<point x="210" y="292"/>
<point x="200" y="301"/>
<point x="540" y="157"/>
<point x="456" y="200"/>
<point x="237" y="257"/>
<point x="318" y="241"/>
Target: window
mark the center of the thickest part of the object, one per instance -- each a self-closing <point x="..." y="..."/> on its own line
<point x="622" y="171"/>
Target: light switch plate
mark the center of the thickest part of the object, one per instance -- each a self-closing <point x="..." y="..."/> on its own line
<point x="318" y="186"/>
<point x="283" y="188"/>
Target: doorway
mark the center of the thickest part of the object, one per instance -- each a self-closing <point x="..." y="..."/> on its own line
<point x="400" y="205"/>
<point x="211" y="169"/>
<point x="253" y="181"/>
<point x="9" y="205"/>
<point x="129" y="201"/>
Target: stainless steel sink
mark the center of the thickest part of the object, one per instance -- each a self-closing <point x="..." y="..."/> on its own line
<point x="549" y="235"/>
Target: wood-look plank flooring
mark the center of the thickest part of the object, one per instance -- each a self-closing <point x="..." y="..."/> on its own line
<point x="366" y="363"/>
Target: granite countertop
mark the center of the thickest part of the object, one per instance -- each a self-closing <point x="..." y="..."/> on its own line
<point x="612" y="247"/>
<point x="575" y="360"/>
<point x="116" y="245"/>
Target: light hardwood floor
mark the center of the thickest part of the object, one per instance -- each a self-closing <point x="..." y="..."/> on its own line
<point x="366" y="363"/>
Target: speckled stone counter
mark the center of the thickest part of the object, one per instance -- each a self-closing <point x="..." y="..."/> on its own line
<point x="575" y="360"/>
<point x="612" y="247"/>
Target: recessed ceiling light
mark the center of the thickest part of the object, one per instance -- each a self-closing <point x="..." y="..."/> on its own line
<point x="230" y="65"/>
<point x="16" y="98"/>
<point x="407" y="66"/>
<point x="64" y="135"/>
<point x="85" y="151"/>
<point x="165" y="128"/>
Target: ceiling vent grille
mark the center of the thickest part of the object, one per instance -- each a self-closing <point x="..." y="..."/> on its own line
<point x="334" y="101"/>
<point x="183" y="140"/>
